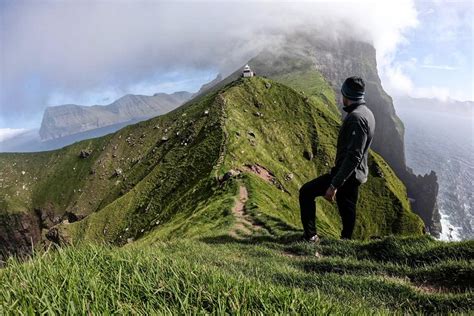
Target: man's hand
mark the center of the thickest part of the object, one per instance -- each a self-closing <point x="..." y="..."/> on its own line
<point x="330" y="194"/>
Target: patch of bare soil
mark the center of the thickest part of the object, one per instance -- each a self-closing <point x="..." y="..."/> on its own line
<point x="243" y="224"/>
<point x="260" y="171"/>
<point x="264" y="174"/>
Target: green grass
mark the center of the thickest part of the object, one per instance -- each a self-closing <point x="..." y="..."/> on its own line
<point x="312" y="84"/>
<point x="258" y="275"/>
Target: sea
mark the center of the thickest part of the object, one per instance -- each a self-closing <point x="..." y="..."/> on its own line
<point x="444" y="142"/>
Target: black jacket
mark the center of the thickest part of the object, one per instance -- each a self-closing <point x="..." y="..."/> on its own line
<point x="353" y="143"/>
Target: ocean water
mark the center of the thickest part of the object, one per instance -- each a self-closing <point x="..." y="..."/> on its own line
<point x="444" y="142"/>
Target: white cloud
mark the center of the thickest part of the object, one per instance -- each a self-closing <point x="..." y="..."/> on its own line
<point x="439" y="67"/>
<point x="401" y="84"/>
<point x="8" y="133"/>
<point x="440" y="93"/>
<point x="446" y="26"/>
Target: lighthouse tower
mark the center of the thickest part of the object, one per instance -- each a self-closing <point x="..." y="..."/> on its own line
<point x="247" y="72"/>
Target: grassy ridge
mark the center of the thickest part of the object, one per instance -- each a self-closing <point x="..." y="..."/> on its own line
<point x="173" y="177"/>
<point x="257" y="275"/>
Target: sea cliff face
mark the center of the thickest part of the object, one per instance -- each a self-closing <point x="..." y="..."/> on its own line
<point x="64" y="120"/>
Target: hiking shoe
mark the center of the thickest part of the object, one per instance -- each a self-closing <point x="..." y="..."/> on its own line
<point x="314" y="239"/>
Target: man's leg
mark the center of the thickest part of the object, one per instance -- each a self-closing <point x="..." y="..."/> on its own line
<point x="308" y="192"/>
<point x="346" y="198"/>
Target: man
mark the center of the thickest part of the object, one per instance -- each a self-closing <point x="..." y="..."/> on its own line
<point x="350" y="170"/>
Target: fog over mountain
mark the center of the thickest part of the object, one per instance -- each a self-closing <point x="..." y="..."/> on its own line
<point x="104" y="52"/>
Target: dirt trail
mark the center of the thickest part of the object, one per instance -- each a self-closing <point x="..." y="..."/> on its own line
<point x="243" y="223"/>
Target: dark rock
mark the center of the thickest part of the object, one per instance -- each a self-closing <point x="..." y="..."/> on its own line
<point x="71" y="217"/>
<point x="229" y="174"/>
<point x="19" y="231"/>
<point x="378" y="171"/>
<point x="54" y="236"/>
<point x="84" y="154"/>
<point x="118" y="172"/>
<point x="258" y="104"/>
<point x="308" y="155"/>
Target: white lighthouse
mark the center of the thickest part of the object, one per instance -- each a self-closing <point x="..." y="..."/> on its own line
<point x="247" y="72"/>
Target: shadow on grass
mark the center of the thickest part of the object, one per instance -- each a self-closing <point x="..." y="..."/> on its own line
<point x="289" y="238"/>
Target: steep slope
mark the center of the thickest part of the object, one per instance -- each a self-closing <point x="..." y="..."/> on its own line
<point x="304" y="59"/>
<point x="179" y="174"/>
<point x="64" y="120"/>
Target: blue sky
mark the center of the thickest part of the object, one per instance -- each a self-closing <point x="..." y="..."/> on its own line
<point x="437" y="58"/>
<point x="93" y="52"/>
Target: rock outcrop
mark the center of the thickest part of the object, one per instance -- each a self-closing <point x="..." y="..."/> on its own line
<point x="424" y="189"/>
<point x="19" y="232"/>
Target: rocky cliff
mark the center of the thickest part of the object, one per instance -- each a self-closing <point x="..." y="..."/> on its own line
<point x="69" y="119"/>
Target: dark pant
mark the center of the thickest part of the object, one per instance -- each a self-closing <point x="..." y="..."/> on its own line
<point x="346" y="198"/>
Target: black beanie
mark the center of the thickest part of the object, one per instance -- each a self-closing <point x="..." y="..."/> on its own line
<point x="353" y="88"/>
